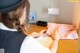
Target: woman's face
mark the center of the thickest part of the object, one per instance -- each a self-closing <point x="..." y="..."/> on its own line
<point x="16" y="22"/>
<point x="23" y="18"/>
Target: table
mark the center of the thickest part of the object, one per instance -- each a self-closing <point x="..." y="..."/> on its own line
<point x="65" y="46"/>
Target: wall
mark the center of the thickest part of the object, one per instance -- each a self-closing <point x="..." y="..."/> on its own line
<point x="66" y="11"/>
<point x="76" y="19"/>
<point x="40" y="6"/>
<point x="76" y="14"/>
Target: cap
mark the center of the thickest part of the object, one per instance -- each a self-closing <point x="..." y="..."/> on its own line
<point x="9" y="5"/>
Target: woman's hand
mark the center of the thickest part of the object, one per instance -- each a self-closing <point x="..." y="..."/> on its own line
<point x="56" y="36"/>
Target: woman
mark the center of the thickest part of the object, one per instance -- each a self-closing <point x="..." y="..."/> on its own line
<point x="13" y="19"/>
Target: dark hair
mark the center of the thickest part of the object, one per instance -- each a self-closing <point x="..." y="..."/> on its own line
<point x="12" y="17"/>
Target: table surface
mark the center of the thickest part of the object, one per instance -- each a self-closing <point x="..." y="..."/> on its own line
<point x="65" y="46"/>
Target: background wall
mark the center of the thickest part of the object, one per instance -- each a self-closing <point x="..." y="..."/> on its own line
<point x="76" y="14"/>
<point x="76" y="19"/>
<point x="41" y="6"/>
<point x="66" y="11"/>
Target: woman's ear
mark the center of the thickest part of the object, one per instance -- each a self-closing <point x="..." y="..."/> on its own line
<point x="0" y="17"/>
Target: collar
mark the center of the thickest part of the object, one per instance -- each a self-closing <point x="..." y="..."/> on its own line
<point x="3" y="27"/>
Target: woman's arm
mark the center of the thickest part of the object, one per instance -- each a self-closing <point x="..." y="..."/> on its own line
<point x="56" y="38"/>
<point x="54" y="46"/>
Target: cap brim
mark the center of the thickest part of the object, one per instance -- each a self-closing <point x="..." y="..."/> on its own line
<point x="5" y="10"/>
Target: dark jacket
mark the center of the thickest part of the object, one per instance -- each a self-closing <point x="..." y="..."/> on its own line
<point x="11" y="41"/>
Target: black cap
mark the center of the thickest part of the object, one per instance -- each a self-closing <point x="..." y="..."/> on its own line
<point x="9" y="5"/>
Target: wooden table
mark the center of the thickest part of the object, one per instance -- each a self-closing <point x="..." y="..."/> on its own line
<point x="65" y="46"/>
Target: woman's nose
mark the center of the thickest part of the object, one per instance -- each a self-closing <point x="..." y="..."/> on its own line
<point x="17" y="24"/>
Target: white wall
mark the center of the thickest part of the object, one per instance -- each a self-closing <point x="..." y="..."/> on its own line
<point x="66" y="10"/>
<point x="76" y="14"/>
<point x="76" y="19"/>
<point x="41" y="7"/>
